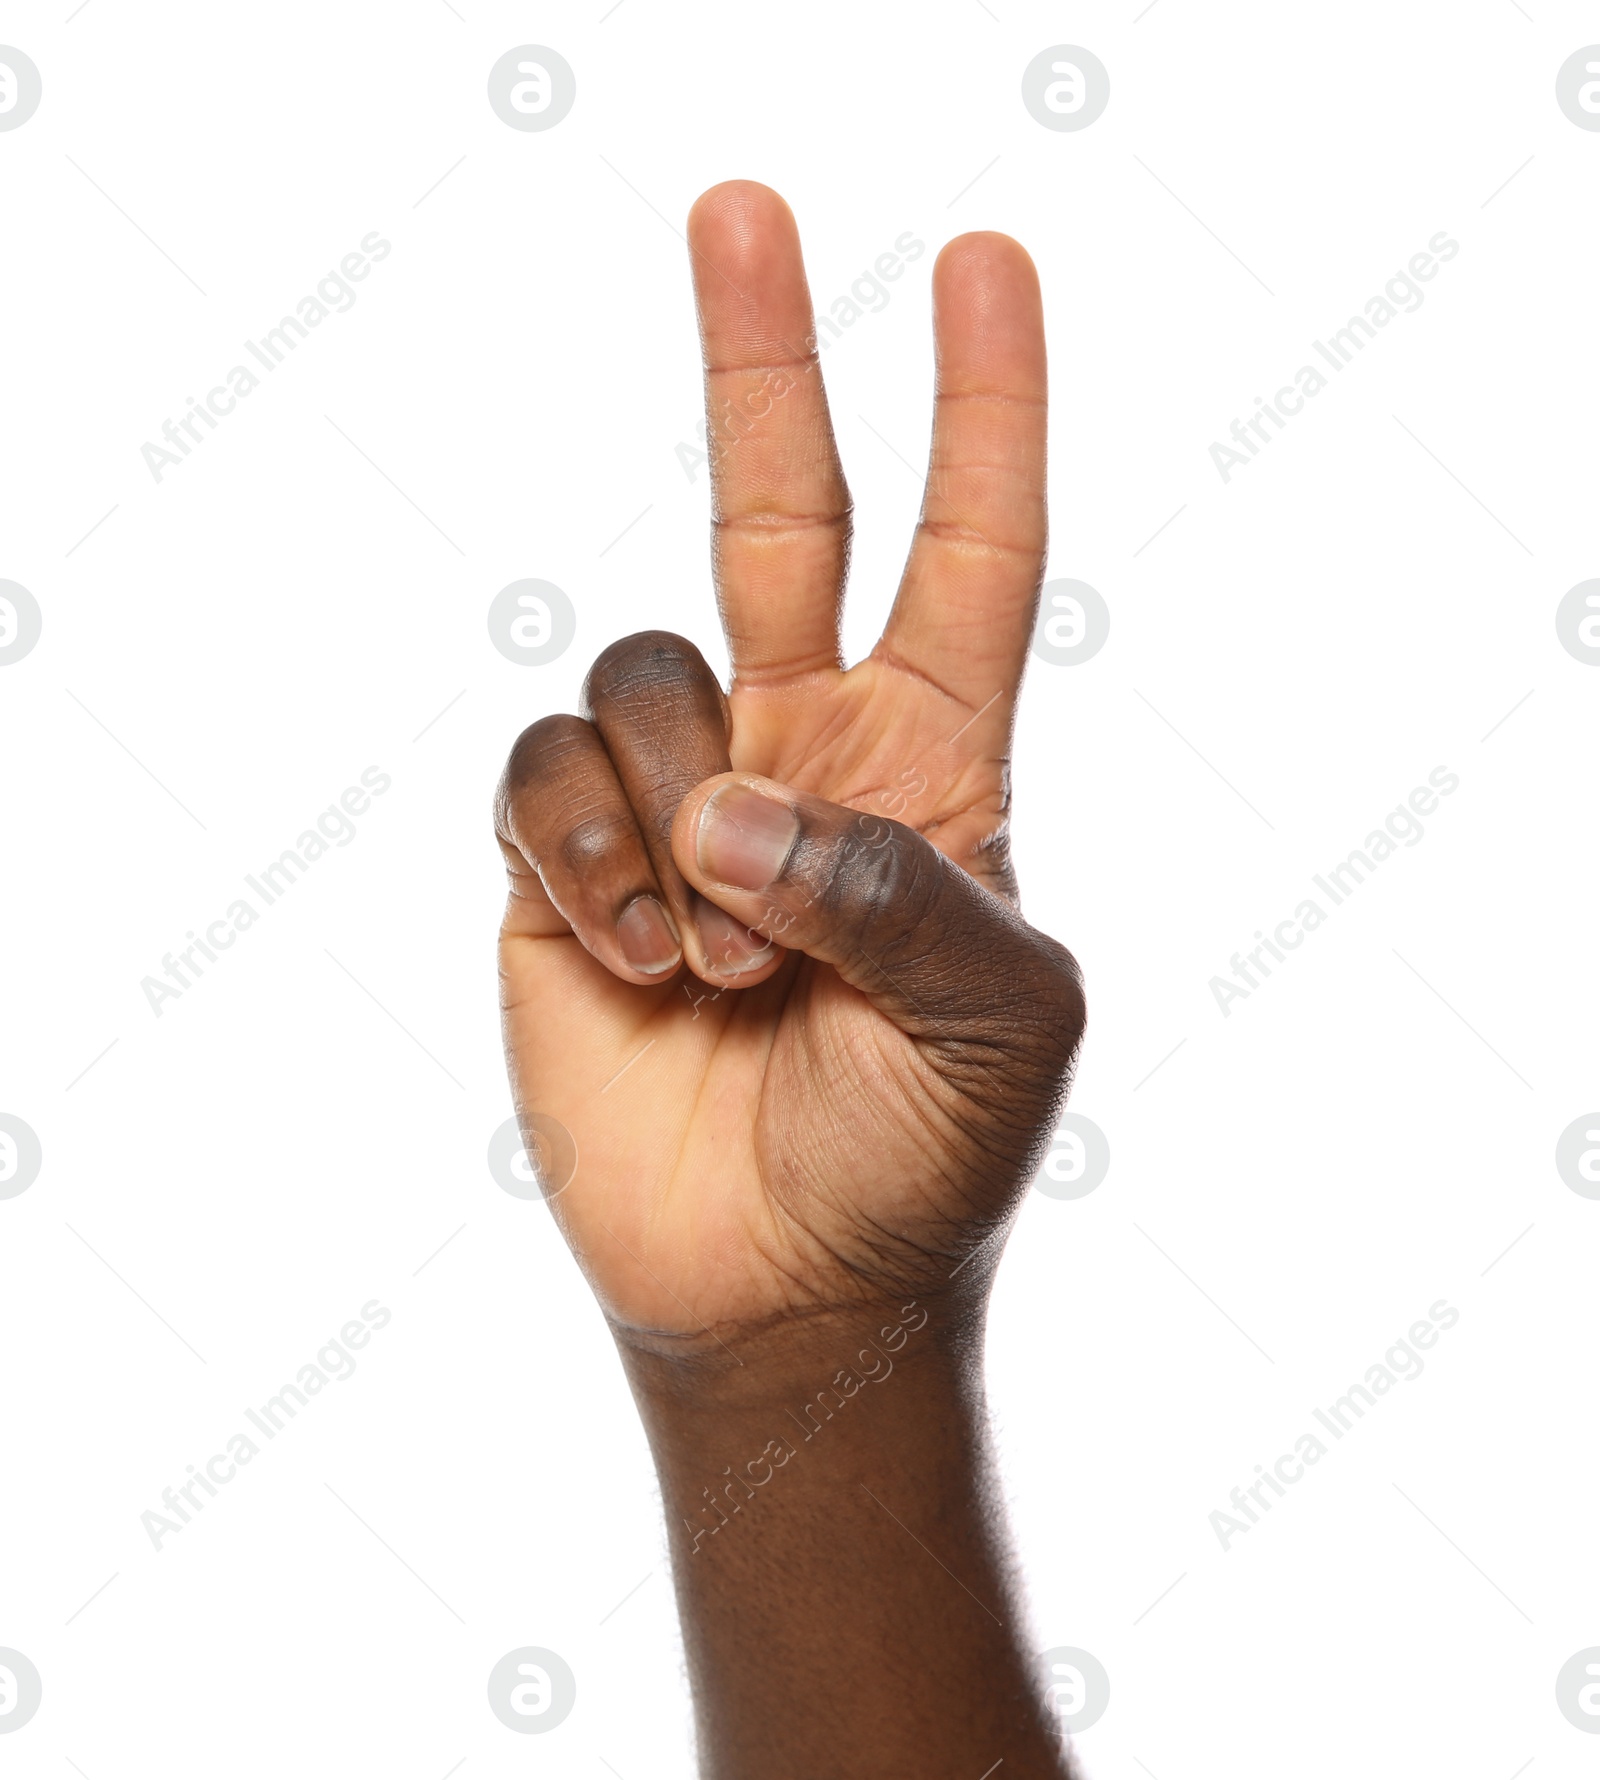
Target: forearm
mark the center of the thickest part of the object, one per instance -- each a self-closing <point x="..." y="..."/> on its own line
<point x="839" y="1555"/>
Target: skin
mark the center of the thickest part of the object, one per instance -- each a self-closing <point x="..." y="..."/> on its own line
<point x="762" y="959"/>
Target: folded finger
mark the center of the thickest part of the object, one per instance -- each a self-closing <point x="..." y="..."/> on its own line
<point x="657" y="707"/>
<point x="562" y="810"/>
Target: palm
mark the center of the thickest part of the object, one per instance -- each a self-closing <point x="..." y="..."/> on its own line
<point x="737" y="1147"/>
<point x="704" y="1120"/>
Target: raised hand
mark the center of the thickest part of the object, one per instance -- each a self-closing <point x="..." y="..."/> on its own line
<point x="762" y="955"/>
<point x="762" y="958"/>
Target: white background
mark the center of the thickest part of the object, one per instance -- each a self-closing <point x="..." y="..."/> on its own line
<point x="277" y="1148"/>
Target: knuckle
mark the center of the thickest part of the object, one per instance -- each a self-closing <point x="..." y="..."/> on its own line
<point x="535" y="758"/>
<point x="593" y="839"/>
<point x="1058" y="1004"/>
<point x="544" y="746"/>
<point x="644" y="667"/>
<point x="884" y="879"/>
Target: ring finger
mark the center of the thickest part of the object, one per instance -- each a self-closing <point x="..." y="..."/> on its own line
<point x="562" y="809"/>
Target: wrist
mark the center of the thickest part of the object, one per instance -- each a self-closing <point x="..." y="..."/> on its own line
<point x="805" y="1405"/>
<point x="821" y="1410"/>
<point x="788" y="1358"/>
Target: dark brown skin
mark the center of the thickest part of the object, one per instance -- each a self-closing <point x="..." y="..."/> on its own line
<point x="762" y="957"/>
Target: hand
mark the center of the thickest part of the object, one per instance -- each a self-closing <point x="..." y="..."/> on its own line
<point x="762" y="956"/>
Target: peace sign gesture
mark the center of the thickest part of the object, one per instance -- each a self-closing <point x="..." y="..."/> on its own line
<point x="762" y="956"/>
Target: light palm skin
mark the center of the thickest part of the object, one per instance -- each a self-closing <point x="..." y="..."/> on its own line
<point x="755" y="1146"/>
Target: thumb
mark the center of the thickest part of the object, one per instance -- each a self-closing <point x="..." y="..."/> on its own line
<point x="935" y="952"/>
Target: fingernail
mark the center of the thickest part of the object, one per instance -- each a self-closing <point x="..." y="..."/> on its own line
<point x="731" y="948"/>
<point x="647" y="937"/>
<point x="744" y="838"/>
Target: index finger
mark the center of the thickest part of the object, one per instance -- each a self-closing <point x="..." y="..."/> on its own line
<point x="780" y="507"/>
